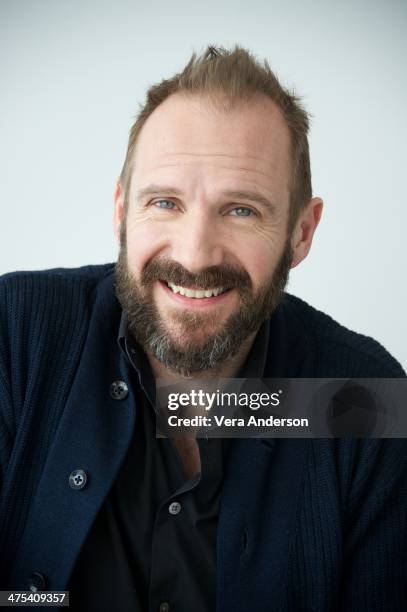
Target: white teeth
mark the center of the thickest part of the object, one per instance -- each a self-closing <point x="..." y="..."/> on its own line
<point x="192" y="293"/>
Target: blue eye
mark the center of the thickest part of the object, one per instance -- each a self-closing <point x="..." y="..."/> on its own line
<point x="164" y="204"/>
<point x="242" y="211"/>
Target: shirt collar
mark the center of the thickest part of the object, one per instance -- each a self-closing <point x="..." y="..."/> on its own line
<point x="137" y="358"/>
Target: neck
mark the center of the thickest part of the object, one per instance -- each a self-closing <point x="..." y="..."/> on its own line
<point x="229" y="369"/>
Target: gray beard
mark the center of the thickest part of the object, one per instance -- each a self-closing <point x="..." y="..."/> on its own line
<point x="191" y="358"/>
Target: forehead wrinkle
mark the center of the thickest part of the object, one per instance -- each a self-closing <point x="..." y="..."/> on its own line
<point x="194" y="154"/>
<point x="176" y="164"/>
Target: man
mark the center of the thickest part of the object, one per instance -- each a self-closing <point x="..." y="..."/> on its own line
<point x="213" y="207"/>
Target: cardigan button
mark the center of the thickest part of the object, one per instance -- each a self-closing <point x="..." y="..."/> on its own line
<point x="118" y="390"/>
<point x="36" y="582"/>
<point x="78" y="479"/>
<point x="174" y="508"/>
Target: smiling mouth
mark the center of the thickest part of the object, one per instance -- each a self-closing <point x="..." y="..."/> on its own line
<point x="198" y="294"/>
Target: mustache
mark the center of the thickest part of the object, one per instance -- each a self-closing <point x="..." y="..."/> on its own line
<point x="225" y="276"/>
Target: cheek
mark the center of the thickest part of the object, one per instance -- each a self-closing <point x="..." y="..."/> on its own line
<point x="144" y="242"/>
<point x="259" y="255"/>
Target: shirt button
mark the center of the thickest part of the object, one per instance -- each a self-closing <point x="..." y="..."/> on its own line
<point x="118" y="390"/>
<point x="164" y="607"/>
<point x="78" y="479"/>
<point x="36" y="582"/>
<point x="174" y="508"/>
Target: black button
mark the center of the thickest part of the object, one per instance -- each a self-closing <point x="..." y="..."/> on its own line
<point x="36" y="582"/>
<point x="78" y="479"/>
<point x="118" y="390"/>
<point x="164" y="607"/>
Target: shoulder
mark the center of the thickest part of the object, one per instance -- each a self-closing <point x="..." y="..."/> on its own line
<point x="47" y="304"/>
<point x="29" y="280"/>
<point x="47" y="310"/>
<point x="337" y="348"/>
<point x="58" y="288"/>
<point x="44" y="321"/>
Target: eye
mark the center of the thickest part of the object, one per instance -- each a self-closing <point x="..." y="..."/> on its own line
<point x="164" y="204"/>
<point x="242" y="211"/>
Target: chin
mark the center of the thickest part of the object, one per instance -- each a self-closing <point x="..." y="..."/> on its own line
<point x="200" y="326"/>
<point x="182" y="337"/>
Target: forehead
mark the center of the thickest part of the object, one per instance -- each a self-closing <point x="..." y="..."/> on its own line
<point x="189" y="132"/>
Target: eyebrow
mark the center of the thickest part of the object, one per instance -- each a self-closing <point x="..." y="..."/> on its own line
<point x="151" y="190"/>
<point x="250" y="196"/>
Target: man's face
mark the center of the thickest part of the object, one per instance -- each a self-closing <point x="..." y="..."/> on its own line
<point x="205" y="252"/>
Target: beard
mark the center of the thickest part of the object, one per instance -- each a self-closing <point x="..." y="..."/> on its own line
<point x="175" y="344"/>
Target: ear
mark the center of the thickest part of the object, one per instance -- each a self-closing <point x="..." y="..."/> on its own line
<point x="118" y="212"/>
<point x="304" y="229"/>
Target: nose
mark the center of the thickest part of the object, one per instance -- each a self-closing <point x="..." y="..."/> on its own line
<point x="197" y="243"/>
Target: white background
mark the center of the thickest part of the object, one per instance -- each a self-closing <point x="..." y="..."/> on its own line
<point x="72" y="74"/>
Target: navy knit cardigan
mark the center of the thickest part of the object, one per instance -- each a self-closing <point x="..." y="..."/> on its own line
<point x="304" y="524"/>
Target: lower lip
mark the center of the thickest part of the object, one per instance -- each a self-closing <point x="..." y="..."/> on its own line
<point x="195" y="302"/>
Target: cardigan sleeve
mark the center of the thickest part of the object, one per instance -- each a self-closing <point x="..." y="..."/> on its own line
<point x="375" y="538"/>
<point x="6" y="419"/>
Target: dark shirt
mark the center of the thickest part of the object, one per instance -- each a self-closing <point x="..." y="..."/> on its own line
<point x="153" y="543"/>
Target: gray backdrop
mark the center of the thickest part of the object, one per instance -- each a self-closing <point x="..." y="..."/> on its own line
<point x="72" y="74"/>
